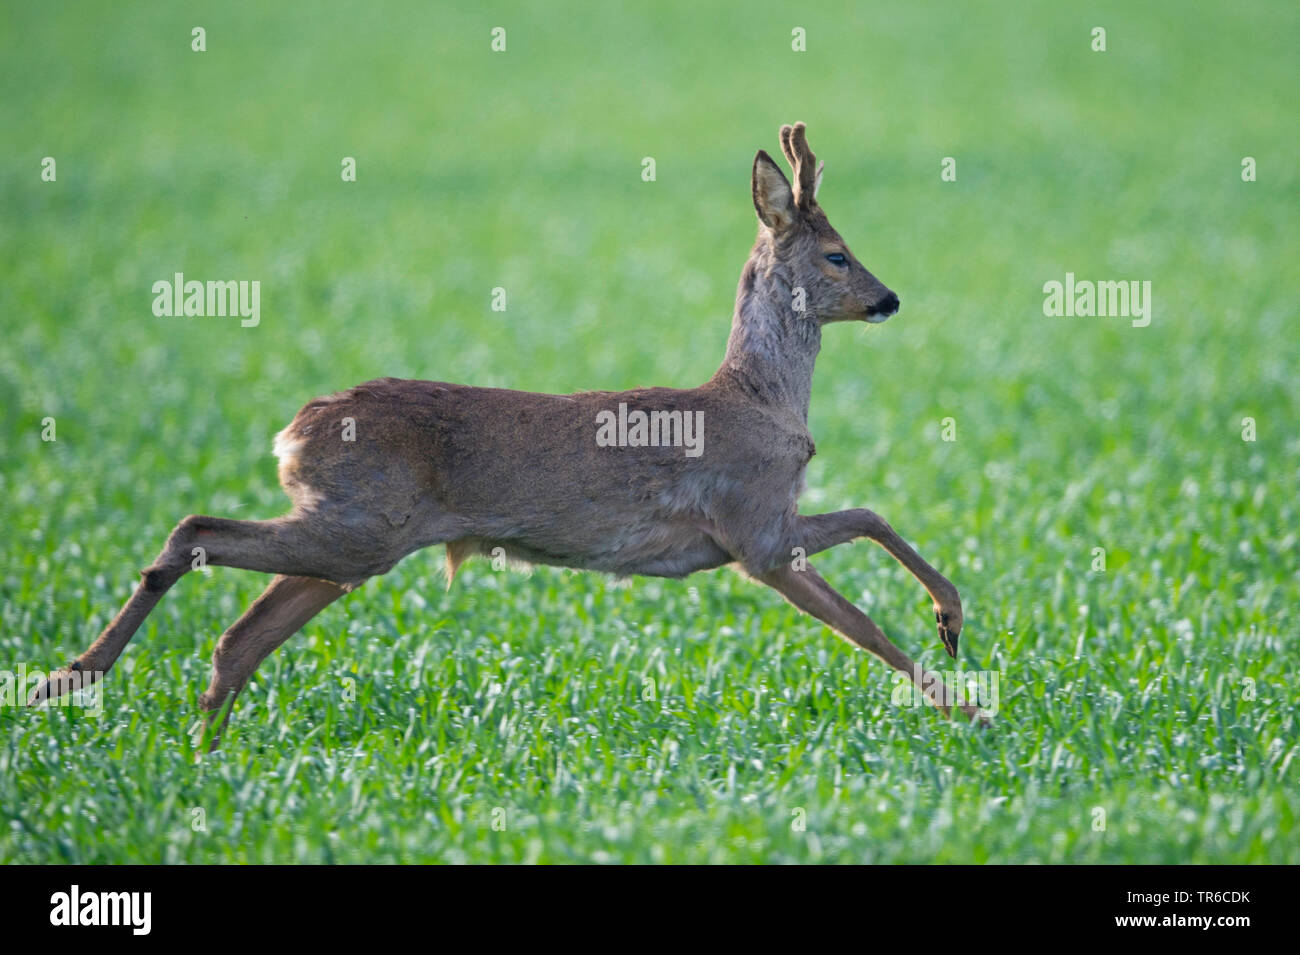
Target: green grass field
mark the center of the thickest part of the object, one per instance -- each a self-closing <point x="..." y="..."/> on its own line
<point x="1148" y="711"/>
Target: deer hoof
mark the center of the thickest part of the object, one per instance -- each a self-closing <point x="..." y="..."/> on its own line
<point x="948" y="632"/>
<point x="53" y="686"/>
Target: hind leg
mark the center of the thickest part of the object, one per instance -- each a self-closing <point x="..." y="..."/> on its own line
<point x="287" y="545"/>
<point x="282" y="610"/>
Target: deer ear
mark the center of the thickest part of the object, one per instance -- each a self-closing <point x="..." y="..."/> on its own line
<point x="773" y="197"/>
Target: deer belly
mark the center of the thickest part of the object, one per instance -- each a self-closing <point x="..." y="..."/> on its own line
<point x="672" y="550"/>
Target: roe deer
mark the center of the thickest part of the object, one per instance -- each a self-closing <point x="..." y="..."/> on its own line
<point x="481" y="468"/>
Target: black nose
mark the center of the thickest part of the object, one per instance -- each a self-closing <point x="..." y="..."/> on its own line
<point x="886" y="306"/>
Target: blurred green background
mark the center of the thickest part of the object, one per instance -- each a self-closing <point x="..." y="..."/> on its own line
<point x="404" y="722"/>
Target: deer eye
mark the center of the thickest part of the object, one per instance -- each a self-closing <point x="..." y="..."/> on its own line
<point x="836" y="258"/>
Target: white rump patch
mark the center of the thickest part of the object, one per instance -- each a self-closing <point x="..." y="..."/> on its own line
<point x="286" y="447"/>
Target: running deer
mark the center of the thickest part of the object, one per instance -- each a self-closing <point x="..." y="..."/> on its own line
<point x="392" y="466"/>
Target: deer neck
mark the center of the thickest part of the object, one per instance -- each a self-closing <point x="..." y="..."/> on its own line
<point x="772" y="348"/>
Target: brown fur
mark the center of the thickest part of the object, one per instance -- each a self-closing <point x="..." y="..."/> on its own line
<point x="479" y="469"/>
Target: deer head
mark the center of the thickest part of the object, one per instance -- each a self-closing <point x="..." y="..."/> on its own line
<point x="802" y="247"/>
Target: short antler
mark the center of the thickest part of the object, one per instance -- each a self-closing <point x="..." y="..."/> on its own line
<point x="807" y="170"/>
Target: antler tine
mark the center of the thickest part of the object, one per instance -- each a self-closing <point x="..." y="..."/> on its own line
<point x="786" y="130"/>
<point x="805" y="165"/>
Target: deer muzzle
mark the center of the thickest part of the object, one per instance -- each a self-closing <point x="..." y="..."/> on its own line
<point x="880" y="310"/>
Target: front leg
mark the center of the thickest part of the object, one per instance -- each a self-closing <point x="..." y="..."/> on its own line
<point x="819" y="532"/>
<point x="810" y="593"/>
